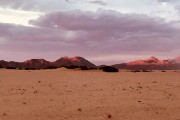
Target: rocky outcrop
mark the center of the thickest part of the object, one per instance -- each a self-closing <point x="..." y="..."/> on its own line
<point x="36" y="64"/>
<point x="75" y="61"/>
<point x="177" y="59"/>
<point x="1" y="66"/>
<point x="151" y="63"/>
<point x="43" y="64"/>
<point x="6" y="64"/>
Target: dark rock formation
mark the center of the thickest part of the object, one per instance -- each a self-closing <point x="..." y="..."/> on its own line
<point x="1" y="66"/>
<point x="36" y="64"/>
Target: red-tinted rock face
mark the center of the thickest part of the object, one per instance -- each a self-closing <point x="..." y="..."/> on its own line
<point x="177" y="59"/>
<point x="41" y="63"/>
<point x="74" y="59"/>
<point x="77" y="61"/>
<point x="71" y="59"/>
<point x="86" y="62"/>
<point x="36" y="63"/>
<point x="152" y="63"/>
<point x="151" y="60"/>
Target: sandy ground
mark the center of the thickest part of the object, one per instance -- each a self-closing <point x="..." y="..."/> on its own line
<point x="89" y="95"/>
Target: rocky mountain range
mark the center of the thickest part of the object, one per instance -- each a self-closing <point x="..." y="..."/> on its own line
<point x="177" y="60"/>
<point x="151" y="63"/>
<point x="42" y="64"/>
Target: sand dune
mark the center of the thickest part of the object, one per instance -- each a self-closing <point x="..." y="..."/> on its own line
<point x="89" y="95"/>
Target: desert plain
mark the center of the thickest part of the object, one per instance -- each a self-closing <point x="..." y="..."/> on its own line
<point x="63" y="94"/>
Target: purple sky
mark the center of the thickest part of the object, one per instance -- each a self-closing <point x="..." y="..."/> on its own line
<point x="102" y="31"/>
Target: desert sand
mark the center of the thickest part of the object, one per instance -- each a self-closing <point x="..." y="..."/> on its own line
<point x="89" y="95"/>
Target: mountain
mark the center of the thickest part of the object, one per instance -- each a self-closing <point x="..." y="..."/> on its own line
<point x="41" y="63"/>
<point x="76" y="61"/>
<point x="151" y="63"/>
<point x="3" y="63"/>
<point x="177" y="59"/>
<point x="36" y="63"/>
<point x="6" y="64"/>
<point x="151" y="60"/>
<point x="85" y="62"/>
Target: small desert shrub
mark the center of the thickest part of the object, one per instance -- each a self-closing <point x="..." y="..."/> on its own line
<point x="135" y="71"/>
<point x="51" y="67"/>
<point x="1" y="66"/>
<point x="146" y="71"/>
<point x="109" y="69"/>
<point x="109" y="116"/>
<point x="26" y="68"/>
<point x="4" y="114"/>
<point x="10" y="68"/>
<point x="83" y="68"/>
<point x="33" y="68"/>
<point x="79" y="109"/>
<point x="30" y="68"/>
<point x="75" y="67"/>
<point x="72" y="67"/>
<point x="92" y="68"/>
<point x="163" y="71"/>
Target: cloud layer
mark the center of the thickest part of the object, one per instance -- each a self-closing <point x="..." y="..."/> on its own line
<point x="90" y="34"/>
<point x="91" y="28"/>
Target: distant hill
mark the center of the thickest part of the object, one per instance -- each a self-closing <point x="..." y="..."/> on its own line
<point x="76" y="61"/>
<point x="177" y="59"/>
<point x="41" y="63"/>
<point x="36" y="63"/>
<point x="151" y="63"/>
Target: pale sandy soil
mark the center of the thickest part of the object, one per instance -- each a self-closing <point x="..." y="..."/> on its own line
<point x="89" y="95"/>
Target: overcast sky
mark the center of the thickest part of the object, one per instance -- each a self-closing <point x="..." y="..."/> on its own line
<point x="103" y="31"/>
